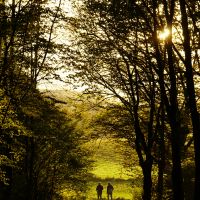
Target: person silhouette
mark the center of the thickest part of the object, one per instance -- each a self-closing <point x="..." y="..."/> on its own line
<point x="109" y="191"/>
<point x="99" y="190"/>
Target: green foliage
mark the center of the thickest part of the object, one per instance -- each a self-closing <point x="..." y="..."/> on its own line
<point x="40" y="147"/>
<point x="117" y="52"/>
<point x="11" y="151"/>
<point x="58" y="153"/>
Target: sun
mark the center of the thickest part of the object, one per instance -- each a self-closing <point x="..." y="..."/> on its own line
<point x="164" y="34"/>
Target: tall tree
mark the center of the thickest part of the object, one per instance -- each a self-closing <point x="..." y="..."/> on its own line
<point x="113" y="58"/>
<point x="123" y="48"/>
<point x="26" y="43"/>
<point x="187" y="61"/>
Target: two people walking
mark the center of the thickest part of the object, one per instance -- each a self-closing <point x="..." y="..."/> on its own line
<point x="99" y="190"/>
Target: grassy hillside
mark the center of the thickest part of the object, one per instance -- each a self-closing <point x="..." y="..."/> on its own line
<point x="108" y="159"/>
<point x="108" y="168"/>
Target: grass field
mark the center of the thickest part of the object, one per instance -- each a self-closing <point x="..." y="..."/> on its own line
<point x="122" y="189"/>
<point x="108" y="168"/>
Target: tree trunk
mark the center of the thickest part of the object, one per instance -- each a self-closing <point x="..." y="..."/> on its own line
<point x="147" y="179"/>
<point x="172" y="109"/>
<point x="192" y="96"/>
<point x="174" y="119"/>
<point x="177" y="179"/>
<point x="161" y="162"/>
<point x="30" y="154"/>
<point x="146" y="165"/>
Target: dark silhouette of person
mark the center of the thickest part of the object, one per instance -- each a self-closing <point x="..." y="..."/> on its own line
<point x="109" y="191"/>
<point x="99" y="190"/>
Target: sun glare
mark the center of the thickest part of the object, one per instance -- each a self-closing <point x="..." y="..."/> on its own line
<point x="163" y="35"/>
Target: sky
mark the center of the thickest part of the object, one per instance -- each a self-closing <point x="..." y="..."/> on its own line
<point x="61" y="37"/>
